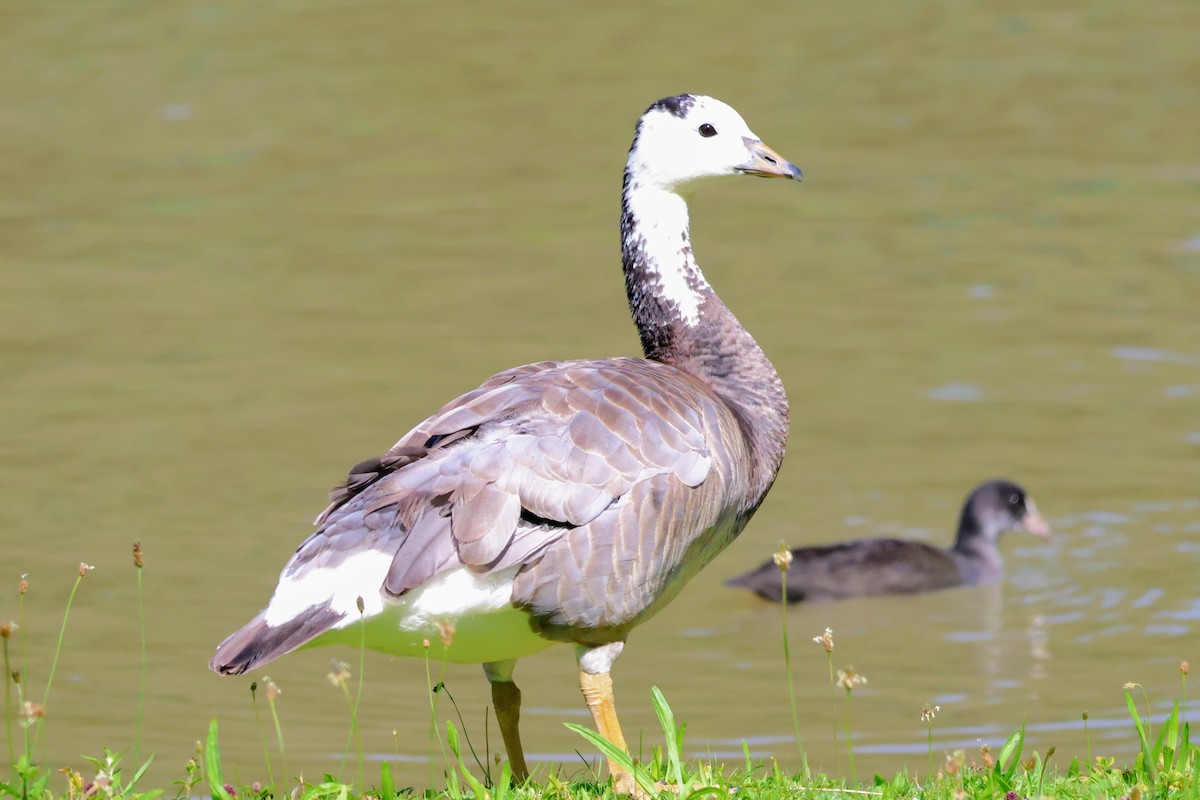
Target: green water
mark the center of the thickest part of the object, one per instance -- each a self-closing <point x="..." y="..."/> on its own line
<point x="245" y="245"/>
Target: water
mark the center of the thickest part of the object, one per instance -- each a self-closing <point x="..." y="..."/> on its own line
<point x="245" y="246"/>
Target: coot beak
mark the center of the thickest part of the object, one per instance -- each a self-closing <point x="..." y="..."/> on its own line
<point x="1034" y="522"/>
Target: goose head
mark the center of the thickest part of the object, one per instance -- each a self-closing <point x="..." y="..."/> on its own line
<point x="687" y="137"/>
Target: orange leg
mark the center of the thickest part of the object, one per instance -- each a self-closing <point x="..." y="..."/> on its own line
<point x="598" y="694"/>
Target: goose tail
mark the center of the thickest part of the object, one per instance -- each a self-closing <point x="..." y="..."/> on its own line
<point x="259" y="643"/>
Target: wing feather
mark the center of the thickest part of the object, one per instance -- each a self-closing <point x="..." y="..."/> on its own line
<point x="499" y="475"/>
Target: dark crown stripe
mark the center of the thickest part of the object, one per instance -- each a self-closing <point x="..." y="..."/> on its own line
<point x="678" y="105"/>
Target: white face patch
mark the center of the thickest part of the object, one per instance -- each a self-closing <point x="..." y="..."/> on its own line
<point x="671" y="151"/>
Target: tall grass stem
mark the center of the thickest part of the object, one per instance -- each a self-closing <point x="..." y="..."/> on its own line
<point x="141" y="709"/>
<point x="1087" y="739"/>
<point x="787" y="664"/>
<point x="62" y="632"/>
<point x="434" y="731"/>
<point x="362" y="665"/>
<point x="850" y="744"/>
<point x="8" y="715"/>
<point x="275" y="717"/>
<point x="837" y="751"/>
<point x="262" y="734"/>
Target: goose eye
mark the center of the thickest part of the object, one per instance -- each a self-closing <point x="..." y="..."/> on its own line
<point x="707" y="130"/>
<point x="1013" y="499"/>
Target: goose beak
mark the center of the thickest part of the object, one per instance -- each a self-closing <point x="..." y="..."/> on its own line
<point x="766" y="163"/>
<point x="1034" y="522"/>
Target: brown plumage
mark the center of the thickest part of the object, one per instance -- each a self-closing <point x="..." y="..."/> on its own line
<point x="578" y="495"/>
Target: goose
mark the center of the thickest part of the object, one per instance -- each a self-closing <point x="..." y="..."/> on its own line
<point x="562" y="501"/>
<point x="866" y="567"/>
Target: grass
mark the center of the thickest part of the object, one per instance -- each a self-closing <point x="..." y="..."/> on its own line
<point x="1167" y="763"/>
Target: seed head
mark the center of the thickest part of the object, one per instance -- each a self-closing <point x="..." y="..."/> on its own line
<point x="84" y="569"/>
<point x="339" y="674"/>
<point x="23" y="584"/>
<point x="138" y="561"/>
<point x="31" y="712"/>
<point x="425" y="643"/>
<point x="74" y="781"/>
<point x="446" y="631"/>
<point x="1130" y="685"/>
<point x="16" y="676"/>
<point x="955" y="761"/>
<point x="928" y="712"/>
<point x="271" y="689"/>
<point x="848" y="679"/>
<point x="782" y="557"/>
<point x="1085" y="716"/>
<point x="6" y="629"/>
<point x="1183" y="668"/>
<point x="360" y="604"/>
<point x="825" y="640"/>
<point x="985" y="752"/>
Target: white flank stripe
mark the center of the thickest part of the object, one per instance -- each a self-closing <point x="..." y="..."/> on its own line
<point x="450" y="595"/>
<point x="362" y="574"/>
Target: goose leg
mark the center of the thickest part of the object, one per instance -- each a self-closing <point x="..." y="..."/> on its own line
<point x="506" y="699"/>
<point x="596" y="685"/>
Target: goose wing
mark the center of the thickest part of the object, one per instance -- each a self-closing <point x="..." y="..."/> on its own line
<point x="499" y="474"/>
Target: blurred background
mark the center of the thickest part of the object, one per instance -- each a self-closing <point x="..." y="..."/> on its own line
<point x="246" y="245"/>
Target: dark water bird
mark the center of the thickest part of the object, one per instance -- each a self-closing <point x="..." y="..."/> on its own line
<point x="563" y="501"/>
<point x="896" y="566"/>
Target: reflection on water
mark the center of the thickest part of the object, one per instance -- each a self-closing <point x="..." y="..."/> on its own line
<point x="247" y="245"/>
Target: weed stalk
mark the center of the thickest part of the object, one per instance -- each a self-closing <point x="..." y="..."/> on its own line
<point x="262" y="733"/>
<point x="272" y="692"/>
<point x="139" y="562"/>
<point x="783" y="560"/>
<point x="1183" y="673"/>
<point x="362" y="665"/>
<point x="848" y="679"/>
<point x="1087" y="739"/>
<point x="434" y="731"/>
<point x="826" y="642"/>
<point x="928" y="714"/>
<point x="6" y="632"/>
<point x="84" y="569"/>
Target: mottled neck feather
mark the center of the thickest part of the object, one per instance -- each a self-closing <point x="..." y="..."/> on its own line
<point x="682" y="322"/>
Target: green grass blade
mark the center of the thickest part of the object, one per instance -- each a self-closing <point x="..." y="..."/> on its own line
<point x="617" y="756"/>
<point x="387" y="785"/>
<point x="1148" y="762"/>
<point x="212" y="765"/>
<point x="452" y="738"/>
<point x="1010" y="753"/>
<point x="137" y="776"/>
<point x="666" y="718"/>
